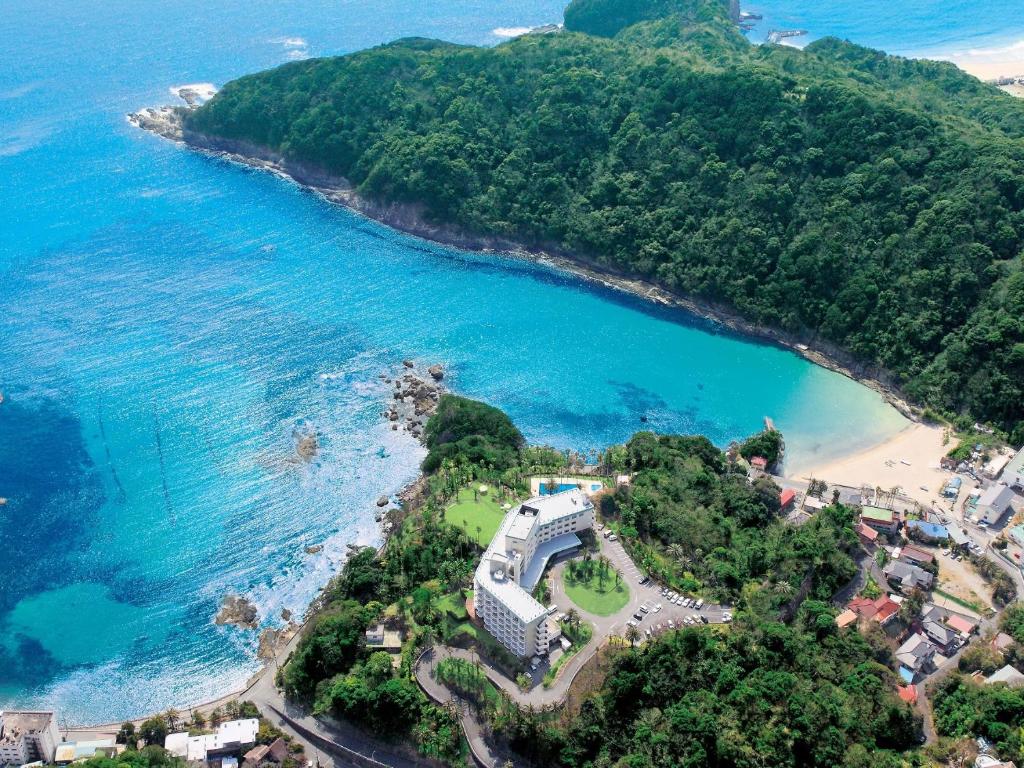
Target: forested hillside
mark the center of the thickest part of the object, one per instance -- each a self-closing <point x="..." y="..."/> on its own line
<point x="836" y="193"/>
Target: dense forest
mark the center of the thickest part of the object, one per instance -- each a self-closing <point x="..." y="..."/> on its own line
<point x="763" y="694"/>
<point x="852" y="199"/>
<point x="692" y="519"/>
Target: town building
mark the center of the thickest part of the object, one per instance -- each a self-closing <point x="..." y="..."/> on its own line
<point x="266" y="754"/>
<point x="28" y="736"/>
<point x="868" y="535"/>
<point x="914" y="655"/>
<point x="228" y="739"/>
<point x="1013" y="472"/>
<point x="994" y="504"/>
<point x="73" y="751"/>
<point x="882" y="520"/>
<point x="927" y="531"/>
<point x="879" y="610"/>
<point x="995" y="466"/>
<point x="916" y="555"/>
<point x="528" y="537"/>
<point x="1009" y="675"/>
<point x="907" y="577"/>
<point x="1002" y="642"/>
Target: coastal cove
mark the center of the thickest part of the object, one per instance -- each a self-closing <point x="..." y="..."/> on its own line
<point x="179" y="327"/>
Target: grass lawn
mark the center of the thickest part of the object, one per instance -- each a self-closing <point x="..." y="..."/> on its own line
<point x="588" y="596"/>
<point x="467" y="514"/>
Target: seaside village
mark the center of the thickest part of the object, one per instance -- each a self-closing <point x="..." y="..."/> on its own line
<point x="35" y="739"/>
<point x="935" y="575"/>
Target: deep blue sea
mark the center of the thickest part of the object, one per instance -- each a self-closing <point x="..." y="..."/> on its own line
<point x="170" y="322"/>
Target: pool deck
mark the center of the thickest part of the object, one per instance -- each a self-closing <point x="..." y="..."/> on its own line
<point x="583" y="482"/>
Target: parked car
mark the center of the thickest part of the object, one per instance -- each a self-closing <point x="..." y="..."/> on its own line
<point x="638" y="616"/>
<point x="699" y="604"/>
<point x="632" y="623"/>
<point x="671" y="624"/>
<point x="613" y="537"/>
<point x="657" y="607"/>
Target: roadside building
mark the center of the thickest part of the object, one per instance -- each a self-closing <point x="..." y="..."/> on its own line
<point x="266" y="754"/>
<point x="759" y="464"/>
<point x="228" y="739"/>
<point x="907" y="577"/>
<point x="27" y="736"/>
<point x="868" y="535"/>
<point x="813" y="504"/>
<point x="952" y="488"/>
<point x="908" y="693"/>
<point x="914" y="656"/>
<point x="1002" y="642"/>
<point x="1013" y="472"/>
<point x="1009" y="675"/>
<point x="927" y="531"/>
<point x="786" y="498"/>
<point x="882" y="520"/>
<point x="994" y="504"/>
<point x="880" y="610"/>
<point x="846" y="618"/>
<point x="958" y="537"/>
<point x="73" y="751"/>
<point x="961" y="624"/>
<point x="995" y="466"/>
<point x="940" y="635"/>
<point x="916" y="555"/>
<point x="528" y="537"/>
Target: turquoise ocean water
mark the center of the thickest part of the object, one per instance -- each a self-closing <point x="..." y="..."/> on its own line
<point x="171" y="321"/>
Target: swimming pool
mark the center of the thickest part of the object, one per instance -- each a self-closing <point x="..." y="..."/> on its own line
<point x="547" y="489"/>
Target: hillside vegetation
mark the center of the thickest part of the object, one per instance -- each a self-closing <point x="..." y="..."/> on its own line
<point x="847" y="197"/>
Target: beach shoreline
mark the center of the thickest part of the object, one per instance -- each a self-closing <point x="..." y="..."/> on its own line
<point x="166" y="122"/>
<point x="908" y="460"/>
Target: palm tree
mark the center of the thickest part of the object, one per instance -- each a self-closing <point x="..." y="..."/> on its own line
<point x="478" y="529"/>
<point x="572" y="617"/>
<point x="618" y="577"/>
<point x="632" y="635"/>
<point x="171" y="716"/>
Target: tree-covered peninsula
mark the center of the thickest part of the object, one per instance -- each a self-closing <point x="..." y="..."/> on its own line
<point x="868" y="204"/>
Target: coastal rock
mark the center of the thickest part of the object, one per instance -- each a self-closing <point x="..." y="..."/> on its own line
<point x="237" y="610"/>
<point x="269" y="639"/>
<point x="314" y="549"/>
<point x="286" y="615"/>
<point x="383" y="501"/>
<point x="436" y="371"/>
<point x="408" y="363"/>
<point x="307" y="446"/>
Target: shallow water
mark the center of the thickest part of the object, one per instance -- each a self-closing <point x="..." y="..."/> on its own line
<point x="171" y="322"/>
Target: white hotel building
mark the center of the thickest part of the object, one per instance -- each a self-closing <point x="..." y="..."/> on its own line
<point x="528" y="537"/>
<point x="26" y="737"/>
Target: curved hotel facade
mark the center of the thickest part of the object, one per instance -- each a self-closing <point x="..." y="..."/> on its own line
<point x="528" y="537"/>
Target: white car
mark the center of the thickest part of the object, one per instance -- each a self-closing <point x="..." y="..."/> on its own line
<point x="613" y="537"/>
<point x="657" y="607"/>
<point x="671" y="624"/>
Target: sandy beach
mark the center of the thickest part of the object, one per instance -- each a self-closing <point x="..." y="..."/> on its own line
<point x="909" y="459"/>
<point x="991" y="63"/>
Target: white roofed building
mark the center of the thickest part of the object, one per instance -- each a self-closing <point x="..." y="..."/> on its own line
<point x="28" y="736"/>
<point x="528" y="537"/>
<point x="229" y="737"/>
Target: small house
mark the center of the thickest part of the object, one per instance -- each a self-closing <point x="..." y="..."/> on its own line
<point x="916" y="555"/>
<point x="786" y="498"/>
<point x="906" y="577"/>
<point x="1009" y="675"/>
<point x="759" y="463"/>
<point x="916" y="653"/>
<point x="868" y="535"/>
<point x="1013" y="472"/>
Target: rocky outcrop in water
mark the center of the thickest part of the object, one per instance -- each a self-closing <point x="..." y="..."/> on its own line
<point x="414" y="399"/>
<point x="307" y="446"/>
<point x="238" y="611"/>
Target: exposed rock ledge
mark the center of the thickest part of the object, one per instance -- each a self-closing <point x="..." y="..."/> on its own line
<point x="414" y="399"/>
<point x="238" y="611"/>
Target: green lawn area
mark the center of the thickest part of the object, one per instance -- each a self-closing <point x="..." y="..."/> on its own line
<point x="467" y="514"/>
<point x="587" y="594"/>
